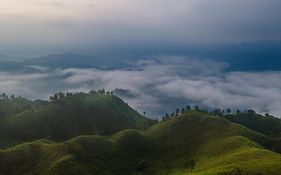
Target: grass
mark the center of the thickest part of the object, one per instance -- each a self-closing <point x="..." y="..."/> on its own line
<point x="193" y="144"/>
<point x="268" y="125"/>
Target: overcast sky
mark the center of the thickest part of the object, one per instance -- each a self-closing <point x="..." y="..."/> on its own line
<point x="29" y="27"/>
<point x="211" y="53"/>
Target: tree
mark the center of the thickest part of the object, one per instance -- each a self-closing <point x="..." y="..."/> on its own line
<point x="251" y="111"/>
<point x="61" y="95"/>
<point x="68" y="94"/>
<point x="101" y="91"/>
<point x="173" y="114"/>
<point x="12" y="96"/>
<point x="188" y="108"/>
<point x="92" y="92"/>
<point x="183" y="110"/>
<point x="166" y="117"/>
<point x="196" y="108"/>
<point x="177" y="111"/>
<point x="4" y="96"/>
<point x="217" y="112"/>
<point x="238" y="111"/>
<point x="54" y="98"/>
<point x="228" y="111"/>
<point x="144" y="113"/>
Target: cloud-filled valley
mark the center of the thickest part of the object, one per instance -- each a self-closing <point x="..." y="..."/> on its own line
<point x="157" y="85"/>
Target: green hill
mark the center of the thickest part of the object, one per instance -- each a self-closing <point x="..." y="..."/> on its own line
<point x="192" y="144"/>
<point x="267" y="125"/>
<point x="66" y="116"/>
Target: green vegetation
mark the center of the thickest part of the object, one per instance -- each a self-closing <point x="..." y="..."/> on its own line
<point x="194" y="143"/>
<point x="267" y="124"/>
<point x="66" y="116"/>
<point x="97" y="133"/>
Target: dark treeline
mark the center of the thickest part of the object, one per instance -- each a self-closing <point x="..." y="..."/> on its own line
<point x="57" y="96"/>
<point x="10" y="105"/>
<point x="60" y="95"/>
<point x="215" y="112"/>
<point x="180" y="111"/>
<point x="266" y="124"/>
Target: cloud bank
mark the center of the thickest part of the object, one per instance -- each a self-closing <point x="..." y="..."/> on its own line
<point x="160" y="85"/>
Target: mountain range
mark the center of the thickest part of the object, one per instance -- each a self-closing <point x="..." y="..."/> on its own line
<point x="248" y="56"/>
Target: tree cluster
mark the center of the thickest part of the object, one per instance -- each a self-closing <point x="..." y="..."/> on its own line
<point x="216" y="112"/>
<point x="61" y="96"/>
<point x="224" y="112"/>
<point x="179" y="112"/>
<point x="5" y="97"/>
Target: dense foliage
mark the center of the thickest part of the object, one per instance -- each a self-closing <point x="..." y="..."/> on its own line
<point x="66" y="116"/>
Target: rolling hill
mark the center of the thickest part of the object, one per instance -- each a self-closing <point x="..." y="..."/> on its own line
<point x="66" y="116"/>
<point x="194" y="143"/>
<point x="268" y="125"/>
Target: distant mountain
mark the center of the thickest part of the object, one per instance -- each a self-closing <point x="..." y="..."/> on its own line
<point x="70" y="60"/>
<point x="65" y="61"/>
<point x="256" y="56"/>
<point x="194" y="143"/>
<point x="66" y="117"/>
<point x="10" y="63"/>
<point x="9" y="58"/>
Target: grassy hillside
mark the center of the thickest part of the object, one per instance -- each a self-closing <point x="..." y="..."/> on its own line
<point x="68" y="116"/>
<point x="192" y="144"/>
<point x="200" y="144"/>
<point x="267" y="125"/>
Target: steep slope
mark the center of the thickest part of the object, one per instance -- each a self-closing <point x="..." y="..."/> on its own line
<point x="267" y="125"/>
<point x="74" y="115"/>
<point x="192" y="144"/>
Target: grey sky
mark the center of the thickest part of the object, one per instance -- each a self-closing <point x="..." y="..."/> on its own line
<point x="50" y="26"/>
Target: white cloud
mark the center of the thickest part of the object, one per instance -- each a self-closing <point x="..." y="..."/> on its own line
<point x="160" y="85"/>
<point x="191" y="81"/>
<point x="38" y="68"/>
<point x="21" y="84"/>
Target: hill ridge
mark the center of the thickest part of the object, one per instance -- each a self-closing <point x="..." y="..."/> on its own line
<point x="191" y="144"/>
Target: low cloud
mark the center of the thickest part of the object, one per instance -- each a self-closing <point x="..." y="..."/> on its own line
<point x="21" y="84"/>
<point x="38" y="68"/>
<point x="166" y="83"/>
<point x="160" y="85"/>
